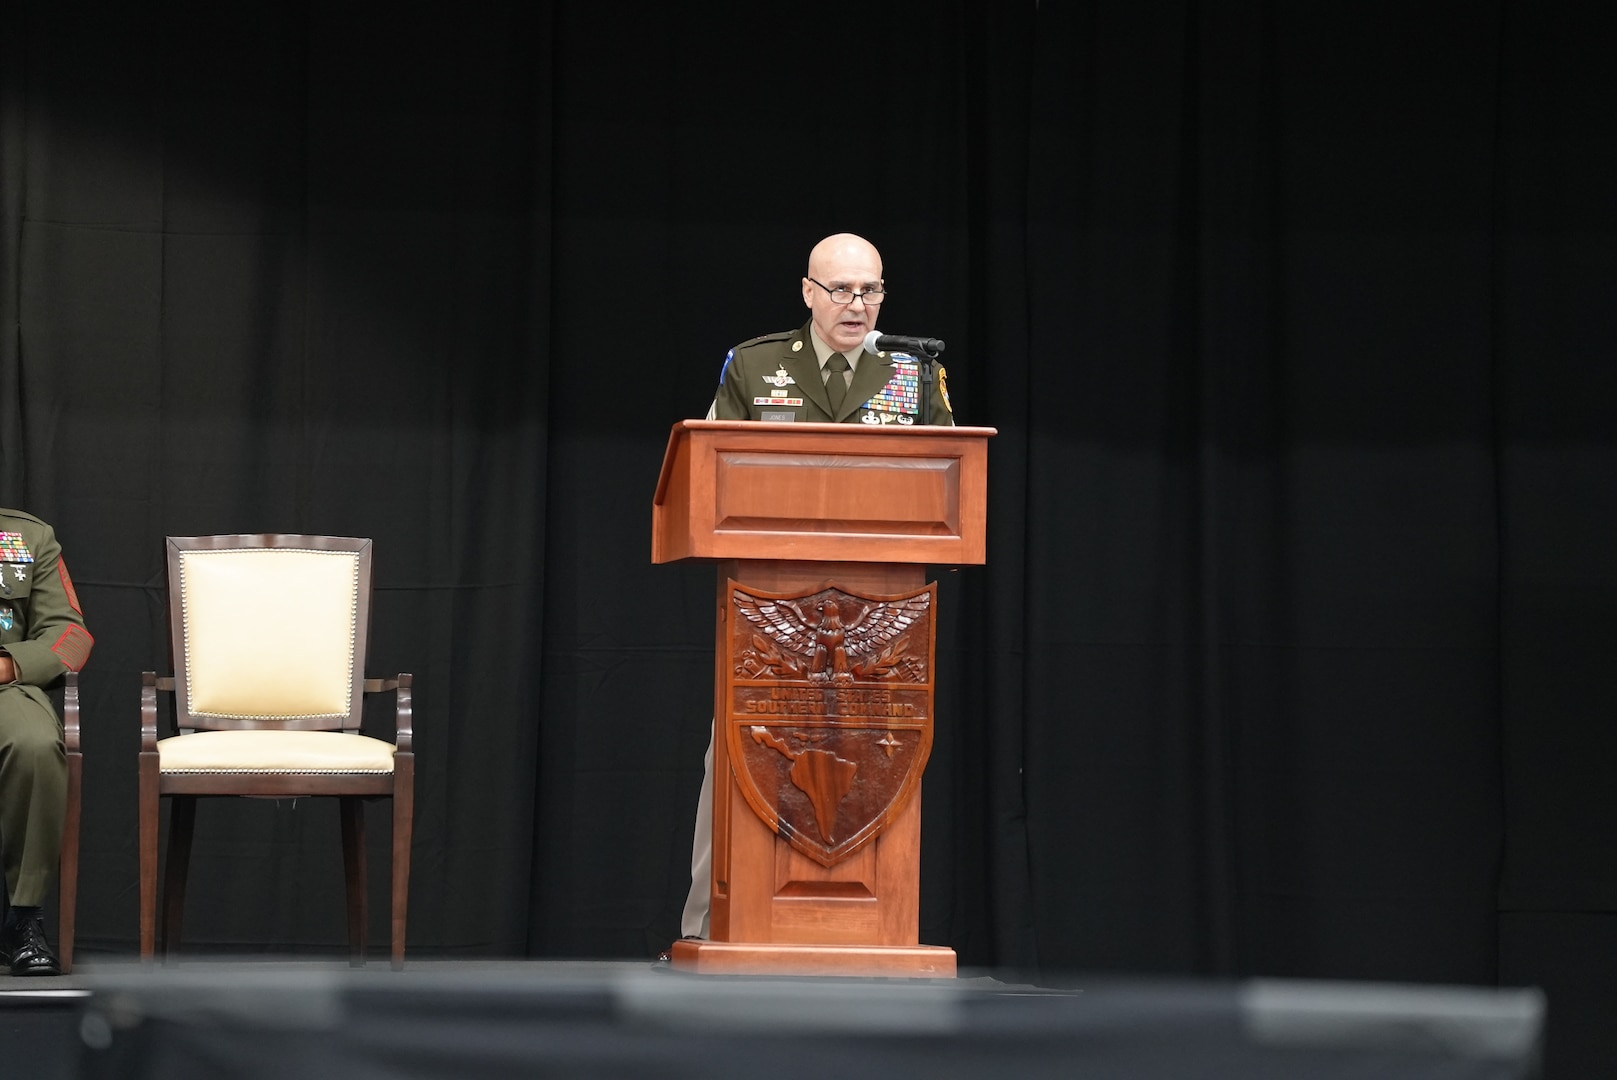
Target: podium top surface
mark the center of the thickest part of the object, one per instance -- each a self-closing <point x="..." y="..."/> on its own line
<point x="743" y="489"/>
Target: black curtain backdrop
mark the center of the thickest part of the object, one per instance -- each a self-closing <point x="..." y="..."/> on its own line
<point x="1296" y="323"/>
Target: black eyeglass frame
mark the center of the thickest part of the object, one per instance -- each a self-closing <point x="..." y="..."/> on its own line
<point x="864" y="294"/>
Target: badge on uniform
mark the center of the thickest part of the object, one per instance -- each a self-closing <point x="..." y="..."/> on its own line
<point x="8" y="618"/>
<point x="14" y="549"/>
<point x="900" y="400"/>
<point x="780" y="378"/>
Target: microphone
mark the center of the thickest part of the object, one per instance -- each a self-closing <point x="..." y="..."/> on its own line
<point x="875" y="341"/>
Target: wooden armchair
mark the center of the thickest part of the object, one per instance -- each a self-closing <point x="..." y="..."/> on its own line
<point x="271" y="708"/>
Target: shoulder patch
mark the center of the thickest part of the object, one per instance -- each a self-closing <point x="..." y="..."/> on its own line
<point x="729" y="356"/>
<point x="67" y="586"/>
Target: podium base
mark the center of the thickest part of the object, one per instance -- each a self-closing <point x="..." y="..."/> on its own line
<point x="749" y="958"/>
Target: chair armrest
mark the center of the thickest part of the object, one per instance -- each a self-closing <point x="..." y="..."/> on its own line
<point x="403" y="713"/>
<point x="150" y="684"/>
<point x="70" y="712"/>
<point x="148" y="712"/>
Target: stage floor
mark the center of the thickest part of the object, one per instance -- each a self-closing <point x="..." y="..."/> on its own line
<point x="271" y="1017"/>
<point x="100" y="972"/>
<point x="43" y="1021"/>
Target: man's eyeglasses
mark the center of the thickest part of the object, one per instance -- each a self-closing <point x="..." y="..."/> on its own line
<point x="844" y="295"/>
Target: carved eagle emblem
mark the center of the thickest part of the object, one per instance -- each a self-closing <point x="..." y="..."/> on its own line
<point x="831" y="637"/>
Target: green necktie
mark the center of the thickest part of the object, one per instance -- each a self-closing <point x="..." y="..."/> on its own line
<point x="836" y="386"/>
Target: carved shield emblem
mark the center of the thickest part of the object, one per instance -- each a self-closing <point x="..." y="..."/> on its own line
<point x="830" y="710"/>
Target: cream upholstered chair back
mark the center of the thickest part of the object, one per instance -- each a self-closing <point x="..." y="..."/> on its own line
<point x="269" y="630"/>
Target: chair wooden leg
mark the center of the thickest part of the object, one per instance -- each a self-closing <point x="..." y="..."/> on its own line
<point x="353" y="857"/>
<point x="67" y="878"/>
<point x="403" y="818"/>
<point x="181" y="824"/>
<point x="149" y="800"/>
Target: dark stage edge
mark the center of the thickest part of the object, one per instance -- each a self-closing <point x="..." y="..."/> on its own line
<point x="490" y="1018"/>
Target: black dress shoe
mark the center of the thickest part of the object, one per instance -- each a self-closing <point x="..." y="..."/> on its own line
<point x="24" y="948"/>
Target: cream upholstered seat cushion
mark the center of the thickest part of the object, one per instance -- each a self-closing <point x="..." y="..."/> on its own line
<point x="274" y="752"/>
<point x="269" y="632"/>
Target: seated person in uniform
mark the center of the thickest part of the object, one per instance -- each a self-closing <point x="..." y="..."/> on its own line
<point x="42" y="635"/>
<point x="820" y="372"/>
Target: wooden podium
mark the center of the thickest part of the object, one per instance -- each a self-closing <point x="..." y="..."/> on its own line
<point x="823" y="678"/>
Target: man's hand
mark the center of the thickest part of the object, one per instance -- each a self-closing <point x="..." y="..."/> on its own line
<point x="8" y="670"/>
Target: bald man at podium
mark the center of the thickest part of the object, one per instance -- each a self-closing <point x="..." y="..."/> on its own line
<point x="822" y="372"/>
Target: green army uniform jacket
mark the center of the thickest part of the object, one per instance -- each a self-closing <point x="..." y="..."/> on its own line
<point x="41" y="624"/>
<point x="777" y="377"/>
<point x="42" y="630"/>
